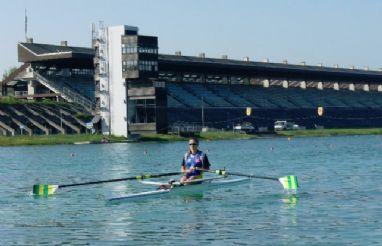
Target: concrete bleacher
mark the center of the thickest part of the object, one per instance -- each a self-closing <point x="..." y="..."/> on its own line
<point x="6" y="123"/>
<point x="283" y="98"/>
<point x="183" y="96"/>
<point x="255" y="95"/>
<point x="172" y="102"/>
<point x="40" y="118"/>
<point x="224" y="96"/>
<point x="208" y="96"/>
<point x="20" y="120"/>
<point x="83" y="86"/>
<point x="227" y="103"/>
<point x="64" y="87"/>
<point x="230" y="96"/>
<point x="65" y="121"/>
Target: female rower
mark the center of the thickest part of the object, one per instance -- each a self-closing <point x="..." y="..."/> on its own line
<point x="193" y="160"/>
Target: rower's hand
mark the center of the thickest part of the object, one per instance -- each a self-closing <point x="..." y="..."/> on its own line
<point x="191" y="170"/>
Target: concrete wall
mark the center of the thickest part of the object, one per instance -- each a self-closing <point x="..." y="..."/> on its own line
<point x="117" y="89"/>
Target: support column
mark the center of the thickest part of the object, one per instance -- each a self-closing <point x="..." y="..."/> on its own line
<point x="179" y="77"/>
<point x="266" y="83"/>
<point x="286" y="84"/>
<point x="336" y="86"/>
<point x="203" y="78"/>
<point x="303" y="85"/>
<point x="225" y="79"/>
<point x="351" y="87"/>
<point x="366" y="87"/>
<point x="320" y="86"/>
<point x="31" y="88"/>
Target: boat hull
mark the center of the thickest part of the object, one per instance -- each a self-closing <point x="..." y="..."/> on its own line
<point x="202" y="186"/>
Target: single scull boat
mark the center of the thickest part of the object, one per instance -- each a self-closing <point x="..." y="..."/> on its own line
<point x="164" y="189"/>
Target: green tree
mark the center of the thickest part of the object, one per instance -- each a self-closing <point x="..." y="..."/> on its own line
<point x="8" y="72"/>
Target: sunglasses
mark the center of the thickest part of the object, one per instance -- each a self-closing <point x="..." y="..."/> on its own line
<point x="192" y="144"/>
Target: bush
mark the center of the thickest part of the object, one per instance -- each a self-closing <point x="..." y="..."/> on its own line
<point x="84" y="117"/>
<point x="9" y="100"/>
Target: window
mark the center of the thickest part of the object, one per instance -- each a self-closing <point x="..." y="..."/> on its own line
<point x="148" y="66"/>
<point x="129" y="48"/>
<point x="128" y="65"/>
<point x="148" y="50"/>
<point x="141" y="111"/>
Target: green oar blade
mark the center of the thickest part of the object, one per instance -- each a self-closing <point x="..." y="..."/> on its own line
<point x="44" y="189"/>
<point x="289" y="182"/>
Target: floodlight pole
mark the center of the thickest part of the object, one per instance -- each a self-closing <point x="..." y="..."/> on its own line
<point x="202" y="112"/>
<point x="26" y="25"/>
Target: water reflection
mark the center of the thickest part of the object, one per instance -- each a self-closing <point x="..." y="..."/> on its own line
<point x="291" y="200"/>
<point x="192" y="197"/>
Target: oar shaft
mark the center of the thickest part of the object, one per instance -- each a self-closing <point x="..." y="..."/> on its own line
<point x="288" y="182"/>
<point x="223" y="172"/>
<point x="144" y="176"/>
<point x="251" y="176"/>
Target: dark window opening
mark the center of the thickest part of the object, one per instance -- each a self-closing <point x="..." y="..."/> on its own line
<point x="141" y="111"/>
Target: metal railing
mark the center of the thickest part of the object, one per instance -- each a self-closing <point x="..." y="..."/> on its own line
<point x="178" y="128"/>
<point x="66" y="92"/>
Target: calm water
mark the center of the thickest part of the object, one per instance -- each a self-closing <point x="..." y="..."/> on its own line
<point x="339" y="203"/>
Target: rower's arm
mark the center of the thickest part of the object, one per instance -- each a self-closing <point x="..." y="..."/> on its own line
<point x="183" y="166"/>
<point x="183" y="169"/>
<point x="206" y="163"/>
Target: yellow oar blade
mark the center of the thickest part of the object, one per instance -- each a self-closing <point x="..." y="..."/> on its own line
<point x="289" y="182"/>
<point x="44" y="189"/>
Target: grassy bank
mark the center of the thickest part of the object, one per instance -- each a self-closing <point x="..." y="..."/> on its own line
<point x="330" y="132"/>
<point x="201" y="136"/>
<point x="54" y="139"/>
<point x="97" y="138"/>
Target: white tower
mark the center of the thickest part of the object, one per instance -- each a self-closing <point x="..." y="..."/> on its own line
<point x="113" y="96"/>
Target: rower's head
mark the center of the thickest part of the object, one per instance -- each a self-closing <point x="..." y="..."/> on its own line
<point x="193" y="144"/>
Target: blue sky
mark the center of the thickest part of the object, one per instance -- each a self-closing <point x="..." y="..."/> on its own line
<point x="344" y="32"/>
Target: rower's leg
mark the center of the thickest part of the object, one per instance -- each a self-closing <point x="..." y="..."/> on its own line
<point x="183" y="179"/>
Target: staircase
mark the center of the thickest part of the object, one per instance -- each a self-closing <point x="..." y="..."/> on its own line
<point x="66" y="92"/>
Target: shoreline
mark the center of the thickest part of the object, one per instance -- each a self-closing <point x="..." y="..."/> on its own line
<point x="58" y="139"/>
<point x="205" y="136"/>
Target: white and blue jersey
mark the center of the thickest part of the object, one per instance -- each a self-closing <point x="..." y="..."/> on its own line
<point x="197" y="160"/>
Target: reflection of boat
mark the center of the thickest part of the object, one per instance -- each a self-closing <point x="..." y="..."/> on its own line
<point x="176" y="188"/>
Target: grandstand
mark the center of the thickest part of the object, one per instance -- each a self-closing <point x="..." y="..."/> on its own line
<point x="41" y="119"/>
<point x="54" y="72"/>
<point x="342" y="108"/>
<point x="123" y="82"/>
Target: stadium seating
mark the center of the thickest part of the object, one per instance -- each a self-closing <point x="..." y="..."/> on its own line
<point x="230" y="96"/>
<point x="181" y="95"/>
<point x="40" y="118"/>
<point x="203" y="93"/>
<point x="226" y="103"/>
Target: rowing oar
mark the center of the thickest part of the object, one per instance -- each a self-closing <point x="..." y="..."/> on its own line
<point x="288" y="182"/>
<point x="49" y="189"/>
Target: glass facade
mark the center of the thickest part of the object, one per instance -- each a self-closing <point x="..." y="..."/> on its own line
<point x="141" y="111"/>
<point x="129" y="48"/>
<point x="139" y="56"/>
<point x="148" y="66"/>
<point x="129" y="65"/>
<point x="147" y="50"/>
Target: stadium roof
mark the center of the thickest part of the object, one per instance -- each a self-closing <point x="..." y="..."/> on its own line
<point x="266" y="69"/>
<point x="34" y="52"/>
<point x="83" y="57"/>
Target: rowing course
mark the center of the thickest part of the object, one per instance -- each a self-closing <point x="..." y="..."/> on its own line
<point x="339" y="201"/>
